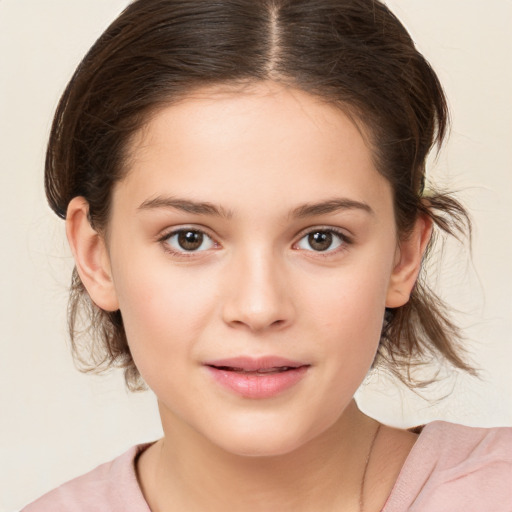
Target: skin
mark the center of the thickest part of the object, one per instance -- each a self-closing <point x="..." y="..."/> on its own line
<point x="256" y="287"/>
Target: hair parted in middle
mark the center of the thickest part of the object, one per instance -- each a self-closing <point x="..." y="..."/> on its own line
<point x="354" y="54"/>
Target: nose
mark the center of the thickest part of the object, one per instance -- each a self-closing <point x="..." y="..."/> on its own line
<point x="259" y="296"/>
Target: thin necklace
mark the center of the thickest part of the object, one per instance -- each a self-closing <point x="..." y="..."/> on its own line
<point x="363" y="480"/>
<point x="367" y="462"/>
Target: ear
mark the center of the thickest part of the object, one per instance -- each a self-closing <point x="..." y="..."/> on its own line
<point x="91" y="256"/>
<point x="408" y="260"/>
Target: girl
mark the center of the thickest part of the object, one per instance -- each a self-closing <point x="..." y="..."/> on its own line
<point x="243" y="184"/>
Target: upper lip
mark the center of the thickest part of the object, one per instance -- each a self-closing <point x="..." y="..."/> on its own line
<point x="251" y="364"/>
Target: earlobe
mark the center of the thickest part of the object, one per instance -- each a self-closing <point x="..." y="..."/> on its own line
<point x="408" y="263"/>
<point x="91" y="256"/>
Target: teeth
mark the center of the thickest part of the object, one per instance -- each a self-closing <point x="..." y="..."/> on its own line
<point x="273" y="370"/>
<point x="278" y="369"/>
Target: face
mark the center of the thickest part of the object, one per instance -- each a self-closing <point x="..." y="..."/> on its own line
<point x="251" y="247"/>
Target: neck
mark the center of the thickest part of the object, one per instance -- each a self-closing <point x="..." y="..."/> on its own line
<point x="184" y="471"/>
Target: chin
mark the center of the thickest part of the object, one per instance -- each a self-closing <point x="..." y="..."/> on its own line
<point x="266" y="438"/>
<point x="262" y="446"/>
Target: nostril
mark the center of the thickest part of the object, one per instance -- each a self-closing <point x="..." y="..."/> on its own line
<point x="252" y="306"/>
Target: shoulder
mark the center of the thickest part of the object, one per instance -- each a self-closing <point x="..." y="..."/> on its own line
<point x="454" y="467"/>
<point x="110" y="486"/>
<point x="451" y="444"/>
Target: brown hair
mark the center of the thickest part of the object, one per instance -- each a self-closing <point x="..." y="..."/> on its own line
<point x="354" y="53"/>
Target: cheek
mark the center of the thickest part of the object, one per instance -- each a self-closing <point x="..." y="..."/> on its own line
<point x="348" y="309"/>
<point x="164" y="313"/>
<point x="354" y="296"/>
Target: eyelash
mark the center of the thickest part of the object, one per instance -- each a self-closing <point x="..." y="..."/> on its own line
<point x="343" y="239"/>
<point x="164" y="240"/>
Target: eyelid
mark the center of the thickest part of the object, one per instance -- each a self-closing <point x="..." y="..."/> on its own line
<point x="341" y="234"/>
<point x="170" y="232"/>
<point x="346" y="240"/>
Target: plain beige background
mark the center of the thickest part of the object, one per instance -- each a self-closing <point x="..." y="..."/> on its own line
<point x="56" y="423"/>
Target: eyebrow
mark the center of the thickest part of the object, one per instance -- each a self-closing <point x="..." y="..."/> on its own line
<point x="186" y="205"/>
<point x="205" y="208"/>
<point x="330" y="206"/>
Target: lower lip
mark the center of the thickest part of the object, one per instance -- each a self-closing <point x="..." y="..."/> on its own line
<point x="263" y="385"/>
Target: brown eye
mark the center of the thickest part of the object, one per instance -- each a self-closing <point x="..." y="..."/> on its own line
<point x="320" y="241"/>
<point x="324" y="240"/>
<point x="188" y="240"/>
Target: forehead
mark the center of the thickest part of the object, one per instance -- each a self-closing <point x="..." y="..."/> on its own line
<point x="266" y="141"/>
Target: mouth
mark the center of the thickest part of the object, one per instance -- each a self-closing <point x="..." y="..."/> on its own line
<point x="257" y="377"/>
<point x="259" y="371"/>
<point x="256" y="365"/>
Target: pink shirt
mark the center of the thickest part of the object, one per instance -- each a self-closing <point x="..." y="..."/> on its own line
<point x="451" y="468"/>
